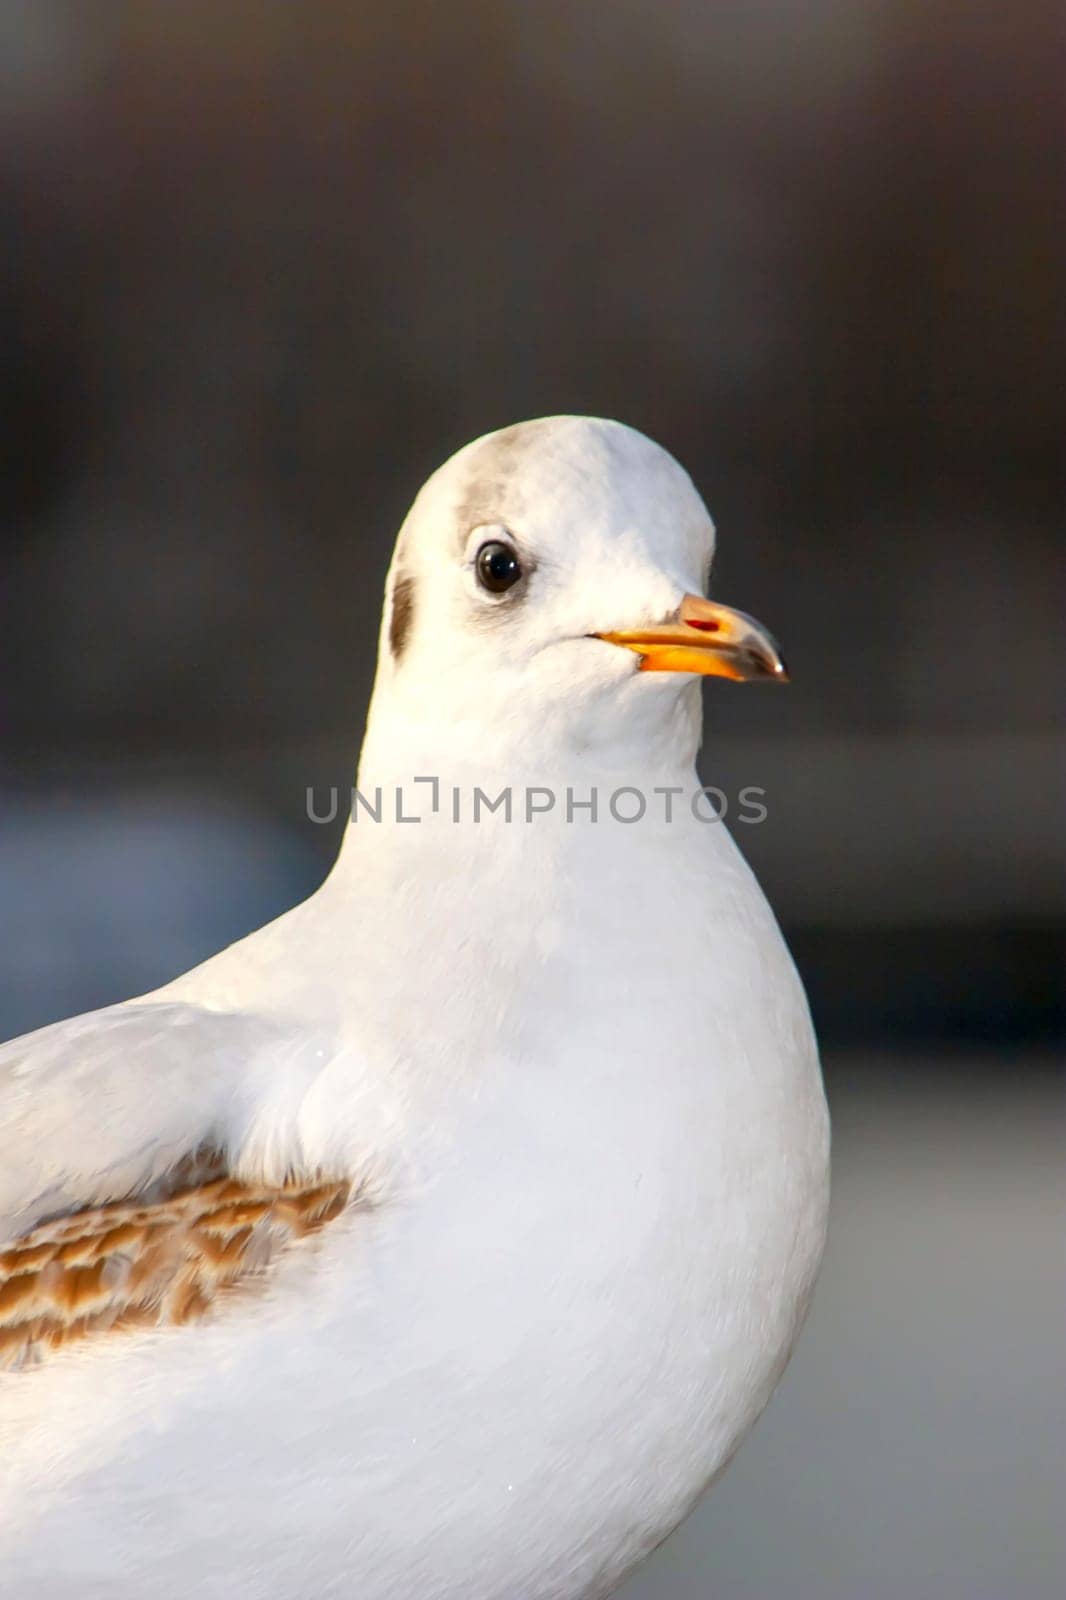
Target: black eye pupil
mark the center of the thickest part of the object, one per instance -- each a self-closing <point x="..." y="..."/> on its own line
<point x="497" y="566"/>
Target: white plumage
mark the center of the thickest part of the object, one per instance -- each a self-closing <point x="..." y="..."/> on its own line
<point x="567" y="1066"/>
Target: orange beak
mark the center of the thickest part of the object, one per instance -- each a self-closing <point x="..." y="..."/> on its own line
<point x="707" y="638"/>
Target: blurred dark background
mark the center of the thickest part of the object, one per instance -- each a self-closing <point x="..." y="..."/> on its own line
<point x="272" y="263"/>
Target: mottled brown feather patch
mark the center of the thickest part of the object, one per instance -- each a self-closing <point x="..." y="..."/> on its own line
<point x="161" y="1258"/>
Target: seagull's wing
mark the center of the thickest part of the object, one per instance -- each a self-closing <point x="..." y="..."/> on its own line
<point x="118" y="1204"/>
<point x="97" y="1107"/>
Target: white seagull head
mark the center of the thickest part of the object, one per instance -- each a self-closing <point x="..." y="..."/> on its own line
<point x="546" y="597"/>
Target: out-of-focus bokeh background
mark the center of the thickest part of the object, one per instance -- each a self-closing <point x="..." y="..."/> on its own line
<point x="273" y="263"/>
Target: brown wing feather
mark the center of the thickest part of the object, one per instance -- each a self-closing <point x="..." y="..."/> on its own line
<point x="161" y="1257"/>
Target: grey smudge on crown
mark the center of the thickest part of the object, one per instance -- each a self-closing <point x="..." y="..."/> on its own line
<point x="484" y="500"/>
<point x="401" y="614"/>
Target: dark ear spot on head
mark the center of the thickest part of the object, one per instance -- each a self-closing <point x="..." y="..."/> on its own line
<point x="402" y="615"/>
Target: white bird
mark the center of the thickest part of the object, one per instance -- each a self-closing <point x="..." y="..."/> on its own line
<point x="444" y="1238"/>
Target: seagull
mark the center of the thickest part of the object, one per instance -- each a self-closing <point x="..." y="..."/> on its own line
<point x="445" y="1237"/>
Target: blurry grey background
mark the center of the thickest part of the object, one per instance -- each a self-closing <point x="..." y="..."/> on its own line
<point x="273" y="263"/>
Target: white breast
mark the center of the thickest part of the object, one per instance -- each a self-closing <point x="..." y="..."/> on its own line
<point x="511" y="1380"/>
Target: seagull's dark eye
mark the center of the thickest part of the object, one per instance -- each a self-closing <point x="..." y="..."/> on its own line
<point x="498" y="567"/>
